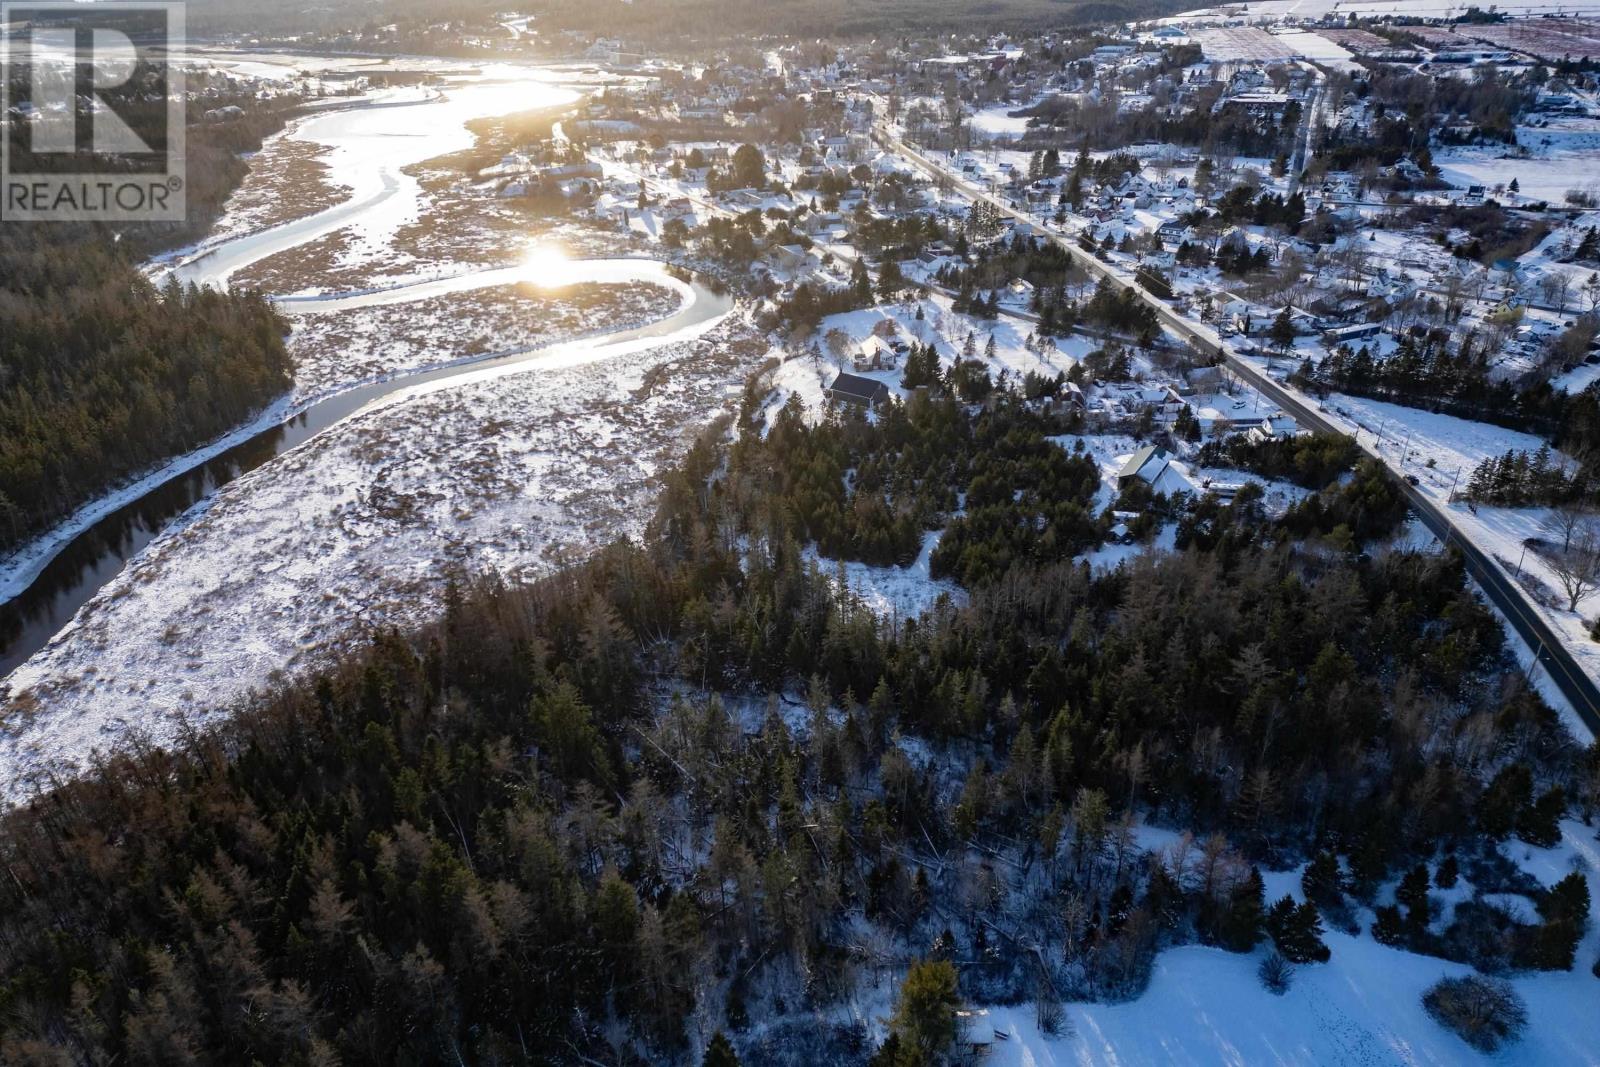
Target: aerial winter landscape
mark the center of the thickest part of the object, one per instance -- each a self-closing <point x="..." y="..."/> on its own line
<point x="710" y="532"/>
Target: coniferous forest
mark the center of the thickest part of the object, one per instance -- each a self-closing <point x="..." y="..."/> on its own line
<point x="103" y="374"/>
<point x="691" y="794"/>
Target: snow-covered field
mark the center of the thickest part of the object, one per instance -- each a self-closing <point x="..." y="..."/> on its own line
<point x="363" y="525"/>
<point x="499" y="468"/>
<point x="1561" y="159"/>
<point x="1362" y="1008"/>
<point x="998" y="122"/>
<point x="334" y="349"/>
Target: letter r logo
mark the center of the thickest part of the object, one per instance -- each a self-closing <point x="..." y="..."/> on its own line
<point x="112" y="61"/>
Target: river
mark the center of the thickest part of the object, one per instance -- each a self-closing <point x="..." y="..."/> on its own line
<point x="369" y="147"/>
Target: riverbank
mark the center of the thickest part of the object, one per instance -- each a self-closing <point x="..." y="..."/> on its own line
<point x="363" y="526"/>
<point x="242" y="226"/>
<point x="338" y="349"/>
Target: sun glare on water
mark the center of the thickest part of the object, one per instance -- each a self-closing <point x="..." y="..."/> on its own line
<point x="546" y="265"/>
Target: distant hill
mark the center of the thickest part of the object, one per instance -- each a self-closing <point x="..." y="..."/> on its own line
<point x="707" y="19"/>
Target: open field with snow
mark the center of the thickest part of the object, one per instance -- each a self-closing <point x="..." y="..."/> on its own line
<point x="335" y="349"/>
<point x="364" y="525"/>
<point x="1206" y="1006"/>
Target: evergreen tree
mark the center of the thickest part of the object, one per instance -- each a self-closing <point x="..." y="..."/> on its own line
<point x="1503" y="802"/>
<point x="1413" y="893"/>
<point x="719" y="1052"/>
<point x="860" y="284"/>
<point x="1553" y="944"/>
<point x="925" y="1013"/>
<point x="1242" y="922"/>
<point x="1282" y="332"/>
<point x="1388" y="928"/>
<point x="1322" y="881"/>
<point x="1540" y="823"/>
<point x="1297" y="931"/>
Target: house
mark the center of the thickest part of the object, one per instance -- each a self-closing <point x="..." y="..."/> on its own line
<point x="1149" y="464"/>
<point x="876" y="353"/>
<point x="1274" y="427"/>
<point x="1357" y="332"/>
<point x="854" y="389"/>
<point x="789" y="257"/>
<point x="1159" y="261"/>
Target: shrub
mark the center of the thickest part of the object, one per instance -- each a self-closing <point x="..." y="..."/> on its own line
<point x="1275" y="973"/>
<point x="1485" y="1012"/>
<point x="1050" y="1015"/>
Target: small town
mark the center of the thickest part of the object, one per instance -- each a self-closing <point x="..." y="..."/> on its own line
<point x="895" y="534"/>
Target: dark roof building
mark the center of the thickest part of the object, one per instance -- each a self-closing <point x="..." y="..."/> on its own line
<point x="854" y="389"/>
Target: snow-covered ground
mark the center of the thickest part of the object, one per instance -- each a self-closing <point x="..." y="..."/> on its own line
<point x="1455" y="446"/>
<point x="508" y="468"/>
<point x="898" y="593"/>
<point x="334" y="349"/>
<point x="998" y="121"/>
<point x="1562" y="158"/>
<point x="1364" y="1006"/>
<point x="513" y="471"/>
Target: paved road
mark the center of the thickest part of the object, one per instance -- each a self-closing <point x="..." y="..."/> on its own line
<point x="1579" y="689"/>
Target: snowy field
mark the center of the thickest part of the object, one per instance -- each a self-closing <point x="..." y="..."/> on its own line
<point x="1312" y="10"/>
<point x="1319" y="49"/>
<point x="511" y="469"/>
<point x="512" y="473"/>
<point x="998" y="122"/>
<point x="335" y="349"/>
<point x="1560" y="158"/>
<point x="1363" y="1008"/>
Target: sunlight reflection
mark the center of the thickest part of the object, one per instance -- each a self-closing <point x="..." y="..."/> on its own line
<point x="546" y="266"/>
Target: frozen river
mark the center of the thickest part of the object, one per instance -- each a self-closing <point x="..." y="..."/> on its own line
<point x="369" y="148"/>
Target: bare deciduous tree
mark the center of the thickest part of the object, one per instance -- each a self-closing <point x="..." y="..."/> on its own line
<point x="1567" y="521"/>
<point x="1577" y="567"/>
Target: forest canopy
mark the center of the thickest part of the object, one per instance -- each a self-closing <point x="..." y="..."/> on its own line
<point x="103" y="375"/>
<point x="673" y="791"/>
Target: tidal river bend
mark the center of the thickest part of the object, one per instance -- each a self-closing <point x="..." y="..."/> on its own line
<point x="369" y="147"/>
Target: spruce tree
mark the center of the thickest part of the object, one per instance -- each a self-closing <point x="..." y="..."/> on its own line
<point x="1389" y="928"/>
<point x="925" y="1013"/>
<point x="1322" y="881"/>
<point x="1241" y="924"/>
<point x="1540" y="823"/>
<point x="1413" y="893"/>
<point x="719" y="1053"/>
<point x="1502" y="803"/>
<point x="1297" y="931"/>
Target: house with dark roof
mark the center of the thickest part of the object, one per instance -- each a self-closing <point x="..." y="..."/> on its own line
<point x="854" y="389"/>
<point x="1147" y="463"/>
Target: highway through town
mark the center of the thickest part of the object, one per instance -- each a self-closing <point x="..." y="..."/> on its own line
<point x="1579" y="689"/>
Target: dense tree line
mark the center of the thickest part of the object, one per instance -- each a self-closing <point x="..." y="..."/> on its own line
<point x="694" y="785"/>
<point x="103" y="375"/>
<point x="1520" y="479"/>
<point x="1310" y="461"/>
